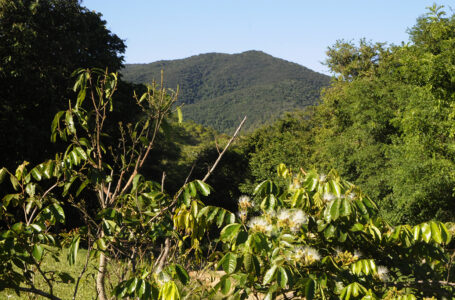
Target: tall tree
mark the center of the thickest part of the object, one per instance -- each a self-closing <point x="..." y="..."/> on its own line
<point x="386" y="122"/>
<point x="41" y="43"/>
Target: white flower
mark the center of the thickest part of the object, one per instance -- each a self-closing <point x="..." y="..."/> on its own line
<point x="245" y="202"/>
<point x="328" y="197"/>
<point x="312" y="253"/>
<point x="338" y="251"/>
<point x="323" y="177"/>
<point x="284" y="215"/>
<point x="357" y="254"/>
<point x="293" y="219"/>
<point x="307" y="254"/>
<point x="260" y="224"/>
<point x="382" y="273"/>
<point x="299" y="217"/>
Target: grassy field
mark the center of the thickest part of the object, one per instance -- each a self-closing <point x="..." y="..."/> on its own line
<point x="63" y="290"/>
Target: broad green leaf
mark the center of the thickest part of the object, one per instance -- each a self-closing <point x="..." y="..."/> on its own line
<point x="356" y="227"/>
<point x="260" y="187"/>
<point x="220" y="218"/>
<point x="203" y="187"/>
<point x="3" y="173"/>
<point x="329" y="231"/>
<point x="335" y="188"/>
<point x="445" y="234"/>
<point x="140" y="290"/>
<point x="81" y="153"/>
<point x="225" y="285"/>
<point x="335" y="209"/>
<point x="58" y="212"/>
<point x="131" y="285"/>
<point x="136" y="181"/>
<point x="310" y="287"/>
<point x="7" y="199"/>
<point x="248" y="262"/>
<point x="70" y="122"/>
<point x="55" y="125"/>
<point x="269" y="275"/>
<point x="435" y="232"/>
<point x="37" y="172"/>
<point x="192" y="189"/>
<point x="182" y="274"/>
<point x="229" y="262"/>
<point x="426" y="232"/>
<point x="82" y="186"/>
<point x="18" y="227"/>
<point x="30" y="189"/>
<point x="14" y="182"/>
<point x="345" y="207"/>
<point x="230" y="232"/>
<point x="101" y="243"/>
<point x="36" y="227"/>
<point x="49" y="169"/>
<point x="20" y="170"/>
<point x="282" y="277"/>
<point x="74" y="248"/>
<point x="169" y="291"/>
<point x="38" y="252"/>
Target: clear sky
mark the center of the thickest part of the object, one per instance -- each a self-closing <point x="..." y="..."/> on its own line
<point x="296" y="30"/>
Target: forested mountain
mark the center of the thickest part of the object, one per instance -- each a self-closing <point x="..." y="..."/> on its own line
<point x="219" y="89"/>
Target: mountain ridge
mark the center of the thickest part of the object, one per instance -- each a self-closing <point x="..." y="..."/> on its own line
<point x="217" y="89"/>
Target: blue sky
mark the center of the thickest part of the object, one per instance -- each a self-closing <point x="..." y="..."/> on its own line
<point x="298" y="31"/>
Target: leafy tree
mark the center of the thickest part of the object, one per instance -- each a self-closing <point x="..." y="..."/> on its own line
<point x="385" y="123"/>
<point x="125" y="214"/>
<point x="289" y="140"/>
<point x="41" y="43"/>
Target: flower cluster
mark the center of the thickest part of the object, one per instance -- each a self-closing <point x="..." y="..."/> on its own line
<point x="260" y="224"/>
<point x="245" y="203"/>
<point x="306" y="254"/>
<point x="347" y="257"/>
<point x="292" y="219"/>
<point x="382" y="273"/>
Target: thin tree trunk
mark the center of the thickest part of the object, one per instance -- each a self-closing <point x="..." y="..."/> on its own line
<point x="163" y="256"/>
<point x="101" y="291"/>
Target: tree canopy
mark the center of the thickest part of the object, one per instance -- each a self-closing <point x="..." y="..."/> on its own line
<point x="41" y="43"/>
<point x="385" y="122"/>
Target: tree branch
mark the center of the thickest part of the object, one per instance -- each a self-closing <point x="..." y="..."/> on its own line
<point x="224" y="150"/>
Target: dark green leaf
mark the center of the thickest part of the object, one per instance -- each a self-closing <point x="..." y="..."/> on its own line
<point x="38" y="252"/>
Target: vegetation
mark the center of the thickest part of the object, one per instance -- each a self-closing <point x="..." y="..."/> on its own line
<point x="385" y="123"/>
<point x="132" y="202"/>
<point x="217" y="89"/>
<point x="37" y="58"/>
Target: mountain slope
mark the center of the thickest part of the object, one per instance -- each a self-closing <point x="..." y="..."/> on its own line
<point x="219" y="89"/>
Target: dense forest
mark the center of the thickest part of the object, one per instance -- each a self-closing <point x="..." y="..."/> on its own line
<point x="111" y="189"/>
<point x="217" y="89"/>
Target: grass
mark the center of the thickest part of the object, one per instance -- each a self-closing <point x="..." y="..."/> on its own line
<point x="198" y="287"/>
<point x="62" y="289"/>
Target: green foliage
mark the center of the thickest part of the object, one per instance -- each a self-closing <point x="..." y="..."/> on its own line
<point x="385" y="123"/>
<point x="41" y="44"/>
<point x="322" y="238"/>
<point x="218" y="89"/>
<point x="388" y="125"/>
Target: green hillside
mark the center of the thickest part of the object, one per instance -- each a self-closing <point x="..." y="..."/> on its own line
<point x="219" y="89"/>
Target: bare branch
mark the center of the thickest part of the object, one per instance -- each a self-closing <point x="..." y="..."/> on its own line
<point x="224" y="150"/>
